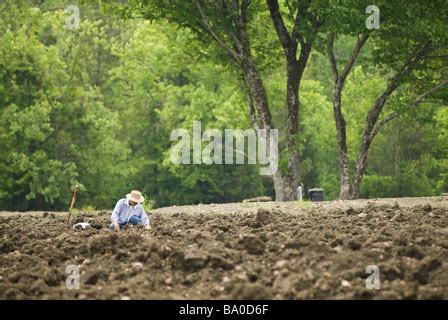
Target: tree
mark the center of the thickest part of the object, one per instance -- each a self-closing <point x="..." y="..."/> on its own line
<point x="55" y="130"/>
<point x="163" y="79"/>
<point x="229" y="25"/>
<point x="425" y="46"/>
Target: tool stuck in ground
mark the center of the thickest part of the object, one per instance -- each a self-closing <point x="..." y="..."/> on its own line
<point x="72" y="204"/>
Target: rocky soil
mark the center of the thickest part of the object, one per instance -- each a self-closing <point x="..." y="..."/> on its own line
<point x="263" y="250"/>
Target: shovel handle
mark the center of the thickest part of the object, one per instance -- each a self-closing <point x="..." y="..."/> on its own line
<point x="73" y="203"/>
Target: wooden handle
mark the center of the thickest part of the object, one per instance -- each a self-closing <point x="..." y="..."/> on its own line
<point x="73" y="203"/>
<point x="74" y="197"/>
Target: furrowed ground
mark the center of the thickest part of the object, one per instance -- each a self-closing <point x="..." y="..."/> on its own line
<point x="263" y="250"/>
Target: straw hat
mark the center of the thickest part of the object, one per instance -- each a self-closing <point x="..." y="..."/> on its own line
<point x="135" y="196"/>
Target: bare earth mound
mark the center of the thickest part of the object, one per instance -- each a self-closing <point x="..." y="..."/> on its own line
<point x="234" y="251"/>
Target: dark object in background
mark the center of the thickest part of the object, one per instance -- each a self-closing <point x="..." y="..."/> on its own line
<point x="316" y="194"/>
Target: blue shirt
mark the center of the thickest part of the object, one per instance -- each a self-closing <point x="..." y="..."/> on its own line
<point x="124" y="211"/>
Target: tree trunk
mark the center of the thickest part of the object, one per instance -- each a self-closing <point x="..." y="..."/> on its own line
<point x="257" y="93"/>
<point x="339" y="81"/>
<point x="291" y="179"/>
<point x="239" y="52"/>
<point x="283" y="184"/>
<point x="360" y="167"/>
<point x="371" y="128"/>
<point x="342" y="146"/>
<point x="294" y="71"/>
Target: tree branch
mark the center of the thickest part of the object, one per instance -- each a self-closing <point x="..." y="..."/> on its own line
<point x="351" y="61"/>
<point x="232" y="53"/>
<point x="414" y="104"/>
<point x="420" y="98"/>
<point x="394" y="83"/>
<point x="295" y="35"/>
<point x="339" y="79"/>
<point x="331" y="58"/>
<point x="282" y="32"/>
<point x="384" y="121"/>
<point x="222" y="7"/>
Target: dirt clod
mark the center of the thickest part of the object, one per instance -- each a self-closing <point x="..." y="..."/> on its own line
<point x="253" y="245"/>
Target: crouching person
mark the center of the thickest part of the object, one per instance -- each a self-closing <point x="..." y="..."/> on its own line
<point x="129" y="211"/>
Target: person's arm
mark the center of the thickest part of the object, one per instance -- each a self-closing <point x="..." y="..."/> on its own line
<point x="115" y="214"/>
<point x="145" y="219"/>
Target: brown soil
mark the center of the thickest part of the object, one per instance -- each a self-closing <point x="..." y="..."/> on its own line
<point x="234" y="251"/>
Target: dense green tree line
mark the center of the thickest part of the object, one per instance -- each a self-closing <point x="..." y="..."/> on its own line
<point x="96" y="106"/>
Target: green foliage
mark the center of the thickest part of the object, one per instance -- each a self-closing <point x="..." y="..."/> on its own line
<point x="375" y="186"/>
<point x="86" y="209"/>
<point x="441" y="147"/>
<point x="96" y="106"/>
<point x="148" y="204"/>
<point x="174" y="91"/>
<point x="55" y="129"/>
